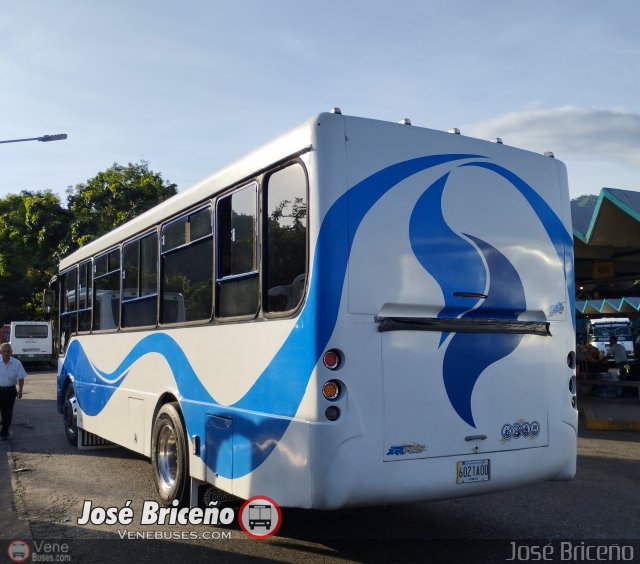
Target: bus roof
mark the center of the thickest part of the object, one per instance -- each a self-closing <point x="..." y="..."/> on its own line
<point x="293" y="142"/>
<point x="604" y="320"/>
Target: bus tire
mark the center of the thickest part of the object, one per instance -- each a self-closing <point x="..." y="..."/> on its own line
<point x="169" y="455"/>
<point x="69" y="415"/>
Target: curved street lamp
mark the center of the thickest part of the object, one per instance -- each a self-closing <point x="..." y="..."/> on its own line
<point x="44" y="138"/>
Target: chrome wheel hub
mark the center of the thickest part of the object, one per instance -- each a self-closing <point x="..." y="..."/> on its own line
<point x="167" y="457"/>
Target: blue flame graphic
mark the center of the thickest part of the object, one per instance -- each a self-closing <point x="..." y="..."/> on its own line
<point x="455" y="262"/>
<point x="468" y="355"/>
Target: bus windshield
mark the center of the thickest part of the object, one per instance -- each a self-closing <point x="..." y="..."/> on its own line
<point x="32" y="331"/>
<point x="601" y="333"/>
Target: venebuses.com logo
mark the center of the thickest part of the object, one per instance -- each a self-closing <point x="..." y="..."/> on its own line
<point x="38" y="551"/>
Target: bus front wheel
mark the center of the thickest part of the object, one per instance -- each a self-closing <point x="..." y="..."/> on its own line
<point x="69" y="413"/>
<point x="169" y="455"/>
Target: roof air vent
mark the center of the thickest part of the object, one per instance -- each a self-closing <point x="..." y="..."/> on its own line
<point x="454" y="130"/>
<point x="336" y="110"/>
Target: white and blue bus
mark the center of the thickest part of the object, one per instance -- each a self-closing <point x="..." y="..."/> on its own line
<point x="359" y="312"/>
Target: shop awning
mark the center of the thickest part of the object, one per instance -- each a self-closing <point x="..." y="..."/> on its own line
<point x="609" y="306"/>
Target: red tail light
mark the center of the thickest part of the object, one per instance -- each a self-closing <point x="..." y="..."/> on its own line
<point x="332" y="359"/>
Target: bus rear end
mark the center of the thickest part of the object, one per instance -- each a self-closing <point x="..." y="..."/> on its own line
<point x="32" y="341"/>
<point x="456" y="325"/>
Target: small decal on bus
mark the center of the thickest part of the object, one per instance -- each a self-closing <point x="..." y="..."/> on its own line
<point x="556" y="309"/>
<point x="404" y="449"/>
<point x="520" y="428"/>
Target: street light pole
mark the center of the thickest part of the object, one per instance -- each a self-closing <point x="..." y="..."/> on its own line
<point x="44" y="138"/>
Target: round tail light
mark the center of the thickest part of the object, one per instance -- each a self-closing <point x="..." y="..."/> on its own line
<point x="331" y="390"/>
<point x="332" y="359"/>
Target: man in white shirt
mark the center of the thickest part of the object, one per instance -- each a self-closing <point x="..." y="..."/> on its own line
<point x="618" y="352"/>
<point x="12" y="373"/>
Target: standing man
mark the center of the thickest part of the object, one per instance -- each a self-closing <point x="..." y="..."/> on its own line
<point x="11" y="373"/>
<point x="618" y="352"/>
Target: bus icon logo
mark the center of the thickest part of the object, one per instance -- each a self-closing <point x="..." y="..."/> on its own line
<point x="260" y="517"/>
<point x="18" y="551"/>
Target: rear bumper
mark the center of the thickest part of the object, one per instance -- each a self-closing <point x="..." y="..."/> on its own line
<point x="25" y="358"/>
<point x="331" y="474"/>
<point x="428" y="479"/>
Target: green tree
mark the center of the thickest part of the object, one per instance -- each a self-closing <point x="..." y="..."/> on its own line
<point x="32" y="225"/>
<point x="111" y="198"/>
<point x="36" y="230"/>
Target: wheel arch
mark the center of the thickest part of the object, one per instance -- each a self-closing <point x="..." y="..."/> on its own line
<point x="68" y="381"/>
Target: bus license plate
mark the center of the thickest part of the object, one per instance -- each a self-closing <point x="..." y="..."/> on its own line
<point x="473" y="471"/>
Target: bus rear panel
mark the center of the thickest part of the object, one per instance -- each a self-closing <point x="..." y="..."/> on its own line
<point x="32" y="341"/>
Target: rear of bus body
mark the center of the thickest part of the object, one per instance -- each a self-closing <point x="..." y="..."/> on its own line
<point x="32" y="341"/>
<point x="384" y="314"/>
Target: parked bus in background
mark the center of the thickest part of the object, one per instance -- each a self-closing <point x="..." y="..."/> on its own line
<point x="605" y="327"/>
<point x="32" y="341"/>
<point x="359" y="312"/>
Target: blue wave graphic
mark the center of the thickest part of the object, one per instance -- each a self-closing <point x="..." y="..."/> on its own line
<point x="451" y="260"/>
<point x="561" y="239"/>
<point x="468" y="355"/>
<point x="262" y="416"/>
<point x="456" y="266"/>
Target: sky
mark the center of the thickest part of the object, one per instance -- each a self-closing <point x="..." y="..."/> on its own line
<point x="191" y="86"/>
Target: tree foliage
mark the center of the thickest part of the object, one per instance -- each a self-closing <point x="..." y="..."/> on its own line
<point x="113" y="197"/>
<point x="31" y="224"/>
<point x="586" y="201"/>
<point x="36" y="229"/>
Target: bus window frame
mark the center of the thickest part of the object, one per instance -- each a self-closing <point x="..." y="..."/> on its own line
<point x="263" y="241"/>
<point x="138" y="239"/>
<point x="161" y="226"/>
<point x="259" y="182"/>
<point x="106" y="253"/>
<point x="88" y="261"/>
<point x="63" y="277"/>
<point x="257" y="242"/>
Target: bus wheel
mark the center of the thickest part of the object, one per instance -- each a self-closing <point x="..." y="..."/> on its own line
<point x="69" y="413"/>
<point x="169" y="455"/>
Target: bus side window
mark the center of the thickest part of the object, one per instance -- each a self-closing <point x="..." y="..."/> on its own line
<point x="237" y="268"/>
<point x="285" y="248"/>
<point x="140" y="282"/>
<point x="106" y="282"/>
<point x="85" y="296"/>
<point x="68" y="306"/>
<point x="187" y="268"/>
